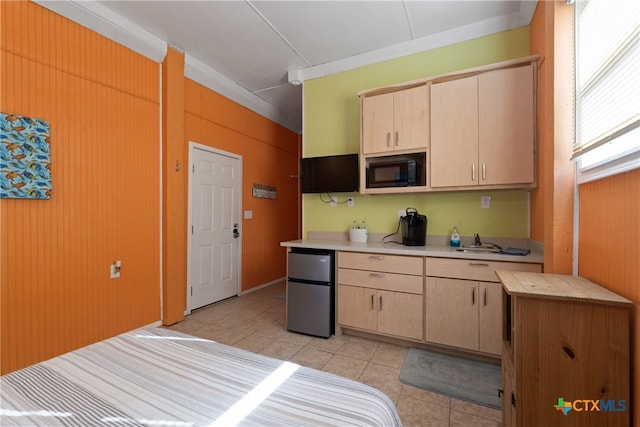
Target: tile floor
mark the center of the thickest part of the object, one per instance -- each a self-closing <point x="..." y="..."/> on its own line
<point x="256" y="322"/>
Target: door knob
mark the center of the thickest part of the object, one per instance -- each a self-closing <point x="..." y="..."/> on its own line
<point x="236" y="233"/>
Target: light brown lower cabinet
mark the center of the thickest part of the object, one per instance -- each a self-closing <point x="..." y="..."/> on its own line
<point x="566" y="352"/>
<point x="463" y="303"/>
<point x="464" y="314"/>
<point x="391" y="313"/>
<point x="381" y="294"/>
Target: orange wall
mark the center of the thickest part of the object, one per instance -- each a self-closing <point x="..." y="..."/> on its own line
<point x="270" y="156"/>
<point x="609" y="208"/>
<point x="608" y="251"/>
<point x="101" y="101"/>
<point x="552" y="203"/>
<point x="174" y="199"/>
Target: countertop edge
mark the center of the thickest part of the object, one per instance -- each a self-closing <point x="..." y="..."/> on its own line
<point x="534" y="257"/>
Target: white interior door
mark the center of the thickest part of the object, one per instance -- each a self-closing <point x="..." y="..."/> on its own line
<point x="214" y="212"/>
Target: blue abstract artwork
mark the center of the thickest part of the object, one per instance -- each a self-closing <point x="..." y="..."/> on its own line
<point x="25" y="158"/>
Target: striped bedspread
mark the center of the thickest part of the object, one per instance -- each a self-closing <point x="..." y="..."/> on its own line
<point x="159" y="377"/>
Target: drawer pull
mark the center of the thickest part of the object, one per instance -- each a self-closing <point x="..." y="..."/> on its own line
<point x="376" y="275"/>
<point x="376" y="257"/>
<point x="479" y="264"/>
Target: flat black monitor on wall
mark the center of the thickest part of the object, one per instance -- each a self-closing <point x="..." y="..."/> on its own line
<point x="330" y="174"/>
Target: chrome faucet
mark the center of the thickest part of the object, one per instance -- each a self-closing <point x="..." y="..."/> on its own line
<point x="477" y="240"/>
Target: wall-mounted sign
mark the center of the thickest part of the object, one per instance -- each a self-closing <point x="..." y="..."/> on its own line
<point x="264" y="191"/>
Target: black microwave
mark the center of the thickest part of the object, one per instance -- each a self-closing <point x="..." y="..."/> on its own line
<point x="395" y="171"/>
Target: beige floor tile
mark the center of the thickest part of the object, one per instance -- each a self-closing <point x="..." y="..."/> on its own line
<point x="345" y="366"/>
<point x="295" y="338"/>
<point x="418" y="413"/>
<point x="272" y="330"/>
<point x="311" y="357"/>
<point x="390" y="355"/>
<point x="357" y="350"/>
<point x="461" y="419"/>
<point x="254" y="343"/>
<point x="426" y="396"/>
<point x="384" y="378"/>
<point x="478" y="410"/>
<point x="280" y="350"/>
<point x="331" y="345"/>
<point x="224" y="336"/>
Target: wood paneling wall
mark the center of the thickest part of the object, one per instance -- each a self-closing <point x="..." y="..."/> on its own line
<point x="608" y="249"/>
<point x="552" y="203"/>
<point x="270" y="156"/>
<point x="101" y="101"/>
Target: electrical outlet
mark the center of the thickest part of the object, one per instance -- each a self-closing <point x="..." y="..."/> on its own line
<point x="334" y="203"/>
<point x="485" y="202"/>
<point x="114" y="269"/>
<point x="401" y="213"/>
<point x="350" y="202"/>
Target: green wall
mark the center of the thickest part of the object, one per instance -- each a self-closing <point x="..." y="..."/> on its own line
<point x="331" y="125"/>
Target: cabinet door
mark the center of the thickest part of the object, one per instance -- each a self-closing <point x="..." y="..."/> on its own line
<point x="400" y="314"/>
<point x="508" y="397"/>
<point x="451" y="312"/>
<point x="454" y="133"/>
<point x="411" y="118"/>
<point x="357" y="307"/>
<point x="506" y="126"/>
<point x="490" y="318"/>
<point x="377" y="124"/>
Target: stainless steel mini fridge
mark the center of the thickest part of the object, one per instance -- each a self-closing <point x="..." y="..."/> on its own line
<point x="311" y="292"/>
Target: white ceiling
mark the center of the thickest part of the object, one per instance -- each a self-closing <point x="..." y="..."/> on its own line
<point x="250" y="50"/>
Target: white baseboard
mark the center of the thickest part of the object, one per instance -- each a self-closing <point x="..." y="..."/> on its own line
<point x="266" y="285"/>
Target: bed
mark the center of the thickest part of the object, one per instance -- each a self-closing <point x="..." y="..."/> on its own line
<point x="156" y="376"/>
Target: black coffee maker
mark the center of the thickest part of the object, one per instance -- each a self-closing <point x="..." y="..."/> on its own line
<point x="414" y="228"/>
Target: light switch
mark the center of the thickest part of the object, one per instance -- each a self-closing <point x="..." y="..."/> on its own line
<point x="248" y="214"/>
<point x="485" y="202"/>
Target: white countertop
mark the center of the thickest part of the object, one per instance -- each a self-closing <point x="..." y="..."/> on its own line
<point x="534" y="257"/>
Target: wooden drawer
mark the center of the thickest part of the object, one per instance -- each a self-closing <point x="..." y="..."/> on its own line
<point x="385" y="281"/>
<point x="469" y="269"/>
<point x="378" y="262"/>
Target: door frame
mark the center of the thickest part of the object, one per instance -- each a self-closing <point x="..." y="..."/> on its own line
<point x="197" y="146"/>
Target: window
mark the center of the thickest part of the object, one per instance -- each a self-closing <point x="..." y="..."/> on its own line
<point x="607" y="87"/>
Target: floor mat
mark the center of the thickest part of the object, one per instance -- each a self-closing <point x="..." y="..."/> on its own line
<point x="464" y="379"/>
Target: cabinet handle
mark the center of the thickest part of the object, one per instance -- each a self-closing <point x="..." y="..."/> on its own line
<point x="371" y="301"/>
<point x="473" y="172"/>
<point x="484" y="172"/>
<point x="376" y="275"/>
<point x="376" y="257"/>
<point x="388" y="139"/>
<point x="397" y="138"/>
<point x="485" y="297"/>
<point x="479" y="264"/>
<point x="473" y="296"/>
<point x="380" y="307"/>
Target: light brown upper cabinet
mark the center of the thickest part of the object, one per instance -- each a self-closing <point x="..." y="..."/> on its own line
<point x="482" y="130"/>
<point x="395" y="121"/>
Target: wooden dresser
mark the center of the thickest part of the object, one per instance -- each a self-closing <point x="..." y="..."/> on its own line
<point x="565" y="355"/>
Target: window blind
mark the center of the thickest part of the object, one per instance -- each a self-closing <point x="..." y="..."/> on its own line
<point x="607" y="73"/>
